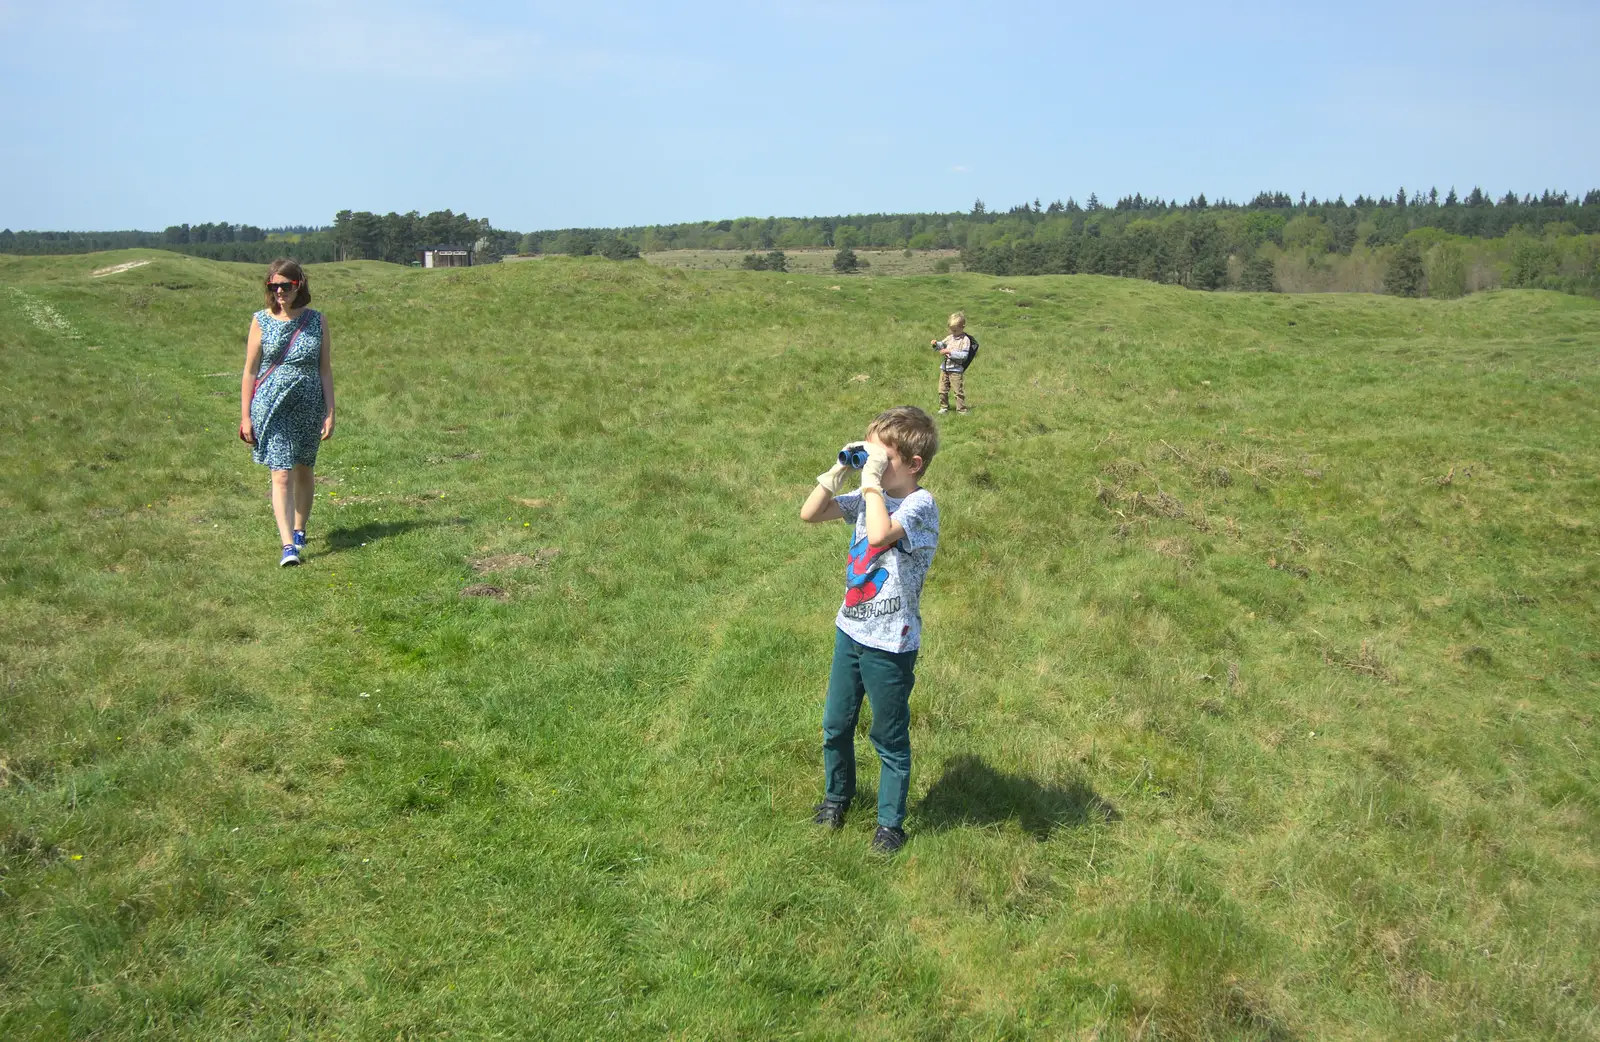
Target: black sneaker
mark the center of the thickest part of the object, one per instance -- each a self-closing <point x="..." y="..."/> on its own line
<point x="831" y="814"/>
<point x="887" y="839"/>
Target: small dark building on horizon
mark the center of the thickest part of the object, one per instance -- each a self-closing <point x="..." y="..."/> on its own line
<point x="445" y="256"/>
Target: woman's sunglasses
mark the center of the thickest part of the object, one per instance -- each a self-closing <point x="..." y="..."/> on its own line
<point x="282" y="287"/>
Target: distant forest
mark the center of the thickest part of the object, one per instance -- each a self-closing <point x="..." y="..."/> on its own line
<point x="1444" y="245"/>
<point x="1412" y="244"/>
<point x="353" y="236"/>
<point x="218" y="241"/>
<point x="1476" y="215"/>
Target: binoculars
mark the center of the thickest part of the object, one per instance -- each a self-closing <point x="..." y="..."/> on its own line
<point x="853" y="456"/>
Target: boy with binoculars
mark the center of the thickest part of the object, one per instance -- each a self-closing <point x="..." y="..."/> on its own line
<point x="957" y="351"/>
<point x="879" y="625"/>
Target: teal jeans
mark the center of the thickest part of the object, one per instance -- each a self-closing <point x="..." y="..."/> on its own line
<point x="886" y="678"/>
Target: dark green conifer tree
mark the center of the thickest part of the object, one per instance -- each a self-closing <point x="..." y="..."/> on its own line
<point x="1260" y="275"/>
<point x="1405" y="274"/>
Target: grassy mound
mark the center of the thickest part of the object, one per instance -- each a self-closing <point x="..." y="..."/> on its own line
<point x="1257" y="699"/>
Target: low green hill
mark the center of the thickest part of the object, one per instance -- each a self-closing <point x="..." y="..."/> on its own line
<point x="1257" y="699"/>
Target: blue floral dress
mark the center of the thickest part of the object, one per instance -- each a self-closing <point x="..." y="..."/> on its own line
<point x="287" y="410"/>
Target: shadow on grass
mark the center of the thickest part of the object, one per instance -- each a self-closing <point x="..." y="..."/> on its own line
<point x="970" y="792"/>
<point x="345" y="538"/>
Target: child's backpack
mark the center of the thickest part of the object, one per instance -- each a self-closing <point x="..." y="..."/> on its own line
<point x="972" y="351"/>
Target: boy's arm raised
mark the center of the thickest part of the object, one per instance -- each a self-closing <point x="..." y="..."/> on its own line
<point x="882" y="530"/>
<point x="820" y="505"/>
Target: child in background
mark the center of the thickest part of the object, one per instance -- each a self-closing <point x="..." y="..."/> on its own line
<point x="879" y="627"/>
<point x="957" y="350"/>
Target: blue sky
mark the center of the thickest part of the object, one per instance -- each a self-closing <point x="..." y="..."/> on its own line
<point x="541" y="115"/>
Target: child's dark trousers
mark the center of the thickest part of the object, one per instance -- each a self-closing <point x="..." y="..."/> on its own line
<point x="886" y="678"/>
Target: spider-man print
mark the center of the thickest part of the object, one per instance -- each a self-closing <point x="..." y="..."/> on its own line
<point x="862" y="579"/>
<point x="882" y="592"/>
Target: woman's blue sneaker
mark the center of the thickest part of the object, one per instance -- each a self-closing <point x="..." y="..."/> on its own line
<point x="290" y="556"/>
<point x="299" y="538"/>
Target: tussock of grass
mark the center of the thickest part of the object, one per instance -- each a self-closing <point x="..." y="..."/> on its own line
<point x="1258" y="699"/>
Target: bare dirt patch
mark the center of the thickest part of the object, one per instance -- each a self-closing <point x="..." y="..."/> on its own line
<point x="1176" y="549"/>
<point x="1365" y="661"/>
<point x="486" y="590"/>
<point x="500" y="563"/>
<point x="511" y="562"/>
<point x="101" y="273"/>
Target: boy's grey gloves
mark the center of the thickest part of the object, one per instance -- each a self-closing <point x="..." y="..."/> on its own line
<point x="872" y="473"/>
<point x="833" y="480"/>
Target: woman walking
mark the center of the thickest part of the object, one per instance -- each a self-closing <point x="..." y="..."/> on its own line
<point x="286" y="408"/>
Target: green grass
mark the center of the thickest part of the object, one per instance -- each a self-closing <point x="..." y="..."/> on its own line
<point x="1257" y="699"/>
<point x="807" y="261"/>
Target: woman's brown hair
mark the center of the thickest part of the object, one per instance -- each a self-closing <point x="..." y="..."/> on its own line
<point x="292" y="271"/>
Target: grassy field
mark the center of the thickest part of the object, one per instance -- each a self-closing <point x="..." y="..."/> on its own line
<point x="1257" y="700"/>
<point x="812" y="262"/>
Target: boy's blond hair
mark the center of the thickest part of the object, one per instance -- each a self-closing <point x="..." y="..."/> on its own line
<point x="909" y="431"/>
<point x="958" y="320"/>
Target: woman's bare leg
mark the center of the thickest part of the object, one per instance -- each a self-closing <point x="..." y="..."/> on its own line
<point x="283" y="504"/>
<point x="304" y="489"/>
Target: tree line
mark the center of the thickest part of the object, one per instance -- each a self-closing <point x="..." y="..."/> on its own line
<point x="1388" y="219"/>
<point x="214" y="241"/>
<point x="399" y="237"/>
<point x="1398" y="246"/>
<point x="354" y="235"/>
<point x="1273" y="241"/>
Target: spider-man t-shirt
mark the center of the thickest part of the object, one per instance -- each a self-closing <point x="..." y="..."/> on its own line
<point x="883" y="588"/>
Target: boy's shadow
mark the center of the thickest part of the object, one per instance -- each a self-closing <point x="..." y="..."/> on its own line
<point x="345" y="538"/>
<point x="970" y="792"/>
